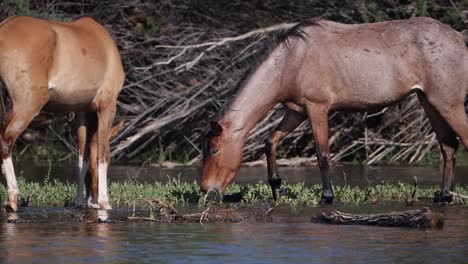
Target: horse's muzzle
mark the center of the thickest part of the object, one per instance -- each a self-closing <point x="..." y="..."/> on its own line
<point x="213" y="194"/>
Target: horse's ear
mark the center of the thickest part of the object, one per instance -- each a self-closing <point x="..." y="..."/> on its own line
<point x="216" y="128"/>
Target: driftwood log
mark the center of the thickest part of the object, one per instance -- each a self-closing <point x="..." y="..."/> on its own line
<point x="419" y="218"/>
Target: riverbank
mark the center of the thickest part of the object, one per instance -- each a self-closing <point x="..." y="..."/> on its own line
<point x="179" y="193"/>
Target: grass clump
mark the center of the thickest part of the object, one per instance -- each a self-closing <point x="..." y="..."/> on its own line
<point x="176" y="192"/>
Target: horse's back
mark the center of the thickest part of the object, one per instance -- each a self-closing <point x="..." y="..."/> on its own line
<point x="78" y="59"/>
<point x="371" y="65"/>
<point x="92" y="60"/>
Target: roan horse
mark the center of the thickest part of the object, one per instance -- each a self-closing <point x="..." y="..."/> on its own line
<point x="61" y="67"/>
<point x="323" y="66"/>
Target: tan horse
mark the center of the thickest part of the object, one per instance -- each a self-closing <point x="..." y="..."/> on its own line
<point x="61" y="67"/>
<point x="324" y="66"/>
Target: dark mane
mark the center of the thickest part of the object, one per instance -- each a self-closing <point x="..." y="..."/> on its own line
<point x="282" y="38"/>
<point x="296" y="31"/>
<point x="465" y="34"/>
<point x="262" y="55"/>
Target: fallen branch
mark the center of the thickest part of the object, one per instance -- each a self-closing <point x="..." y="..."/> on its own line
<point x="461" y="196"/>
<point x="419" y="218"/>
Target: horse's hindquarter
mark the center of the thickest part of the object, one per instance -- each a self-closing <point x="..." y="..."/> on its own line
<point x="85" y="58"/>
<point x="26" y="45"/>
<point x="359" y="67"/>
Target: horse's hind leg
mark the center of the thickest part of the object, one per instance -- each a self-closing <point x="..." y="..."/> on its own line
<point x="92" y="192"/>
<point x="452" y="109"/>
<point x="87" y="126"/>
<point x="105" y="118"/>
<point x="91" y="179"/>
<point x="83" y="157"/>
<point x="448" y="146"/>
<point x="318" y="115"/>
<point x="23" y="111"/>
<point x="291" y="120"/>
<point x="458" y="121"/>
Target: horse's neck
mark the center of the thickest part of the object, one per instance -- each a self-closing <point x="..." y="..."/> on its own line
<point x="260" y="93"/>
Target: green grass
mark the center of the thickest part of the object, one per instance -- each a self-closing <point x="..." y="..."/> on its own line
<point x="434" y="157"/>
<point x="123" y="194"/>
<point x="24" y="8"/>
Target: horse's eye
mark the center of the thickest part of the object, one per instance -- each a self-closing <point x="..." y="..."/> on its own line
<point x="214" y="151"/>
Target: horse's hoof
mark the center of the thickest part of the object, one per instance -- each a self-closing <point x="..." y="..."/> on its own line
<point x="275" y="184"/>
<point x="327" y="198"/>
<point x="10" y="207"/>
<point x="105" y="206"/>
<point x="79" y="202"/>
<point x="284" y="191"/>
<point x="325" y="201"/>
<point x="92" y="205"/>
<point x="442" y="197"/>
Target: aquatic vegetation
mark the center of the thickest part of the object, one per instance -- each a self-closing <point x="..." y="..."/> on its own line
<point x="180" y="193"/>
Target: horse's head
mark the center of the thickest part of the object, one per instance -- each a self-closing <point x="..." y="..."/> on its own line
<point x="222" y="156"/>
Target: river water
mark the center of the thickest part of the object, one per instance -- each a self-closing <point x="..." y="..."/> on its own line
<point x="290" y="236"/>
<point x="340" y="175"/>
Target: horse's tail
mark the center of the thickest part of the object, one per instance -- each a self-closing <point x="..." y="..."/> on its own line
<point x="3" y="94"/>
<point x="3" y="88"/>
<point x="465" y="35"/>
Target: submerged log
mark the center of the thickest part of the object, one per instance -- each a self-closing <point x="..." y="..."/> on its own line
<point x="419" y="218"/>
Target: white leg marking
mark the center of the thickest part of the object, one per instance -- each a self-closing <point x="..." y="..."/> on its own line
<point x="9" y="172"/>
<point x="91" y="204"/>
<point x="417" y="87"/>
<point x="103" y="200"/>
<point x="103" y="215"/>
<point x="82" y="170"/>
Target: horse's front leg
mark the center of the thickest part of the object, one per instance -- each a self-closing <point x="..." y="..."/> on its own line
<point x="290" y="121"/>
<point x="318" y="115"/>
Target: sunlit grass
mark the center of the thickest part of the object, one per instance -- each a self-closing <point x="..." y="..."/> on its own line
<point x="176" y="192"/>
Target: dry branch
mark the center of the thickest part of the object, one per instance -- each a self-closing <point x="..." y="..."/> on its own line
<point x="184" y="58"/>
<point x="461" y="196"/>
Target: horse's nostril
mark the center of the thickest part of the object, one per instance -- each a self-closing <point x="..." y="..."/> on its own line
<point x="213" y="195"/>
<point x="203" y="190"/>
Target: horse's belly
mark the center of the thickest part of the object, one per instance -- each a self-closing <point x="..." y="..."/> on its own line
<point x="76" y="75"/>
<point x="371" y="99"/>
<point x="71" y="98"/>
<point x="376" y="84"/>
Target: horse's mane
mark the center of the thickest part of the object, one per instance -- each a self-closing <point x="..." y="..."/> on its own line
<point x="282" y="38"/>
<point x="465" y="34"/>
<point x="263" y="54"/>
<point x="296" y="31"/>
